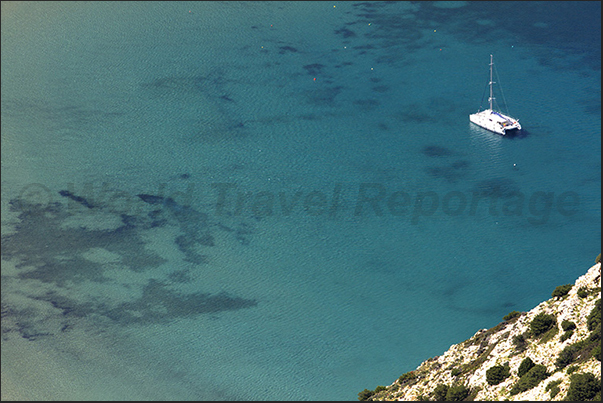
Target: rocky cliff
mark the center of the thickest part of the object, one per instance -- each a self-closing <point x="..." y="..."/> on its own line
<point x="552" y="352"/>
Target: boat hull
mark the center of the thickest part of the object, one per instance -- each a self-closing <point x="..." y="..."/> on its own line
<point x="495" y="122"/>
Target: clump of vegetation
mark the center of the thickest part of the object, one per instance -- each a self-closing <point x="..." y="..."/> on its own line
<point x="567" y="355"/>
<point x="566" y="335"/>
<point x="440" y="391"/>
<point x="484" y="353"/>
<point x="595" y="335"/>
<point x="583" y="350"/>
<point x="562" y="290"/>
<point x="530" y="379"/>
<point x="594" y="318"/>
<point x="473" y="394"/>
<point x="596" y="352"/>
<point x="598" y="259"/>
<point x="497" y="373"/>
<point x="542" y="323"/>
<point x="457" y="393"/>
<point x="526" y="365"/>
<point x="549" y="335"/>
<point x="571" y="370"/>
<point x="456" y="371"/>
<point x="568" y="325"/>
<point x="520" y="342"/>
<point x="582" y="292"/>
<point x="583" y="387"/>
<point x="365" y="394"/>
<point x="407" y="376"/>
<point x="511" y="315"/>
<point x="553" y="388"/>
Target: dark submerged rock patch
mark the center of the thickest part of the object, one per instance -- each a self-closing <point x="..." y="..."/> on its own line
<point x="66" y="265"/>
<point x="436" y="151"/>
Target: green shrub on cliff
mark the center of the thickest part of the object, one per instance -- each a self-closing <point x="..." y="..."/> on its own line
<point x="566" y="335"/>
<point x="598" y="259"/>
<point x="520" y="343"/>
<point x="583" y="387"/>
<point x="594" y="318"/>
<point x="511" y="315"/>
<point x="597" y="352"/>
<point x="562" y="290"/>
<point x="567" y="355"/>
<point x="457" y="393"/>
<point x="530" y="379"/>
<point x="525" y="366"/>
<point x="595" y="335"/>
<point x="407" y="376"/>
<point x="365" y="394"/>
<point x="568" y="325"/>
<point x="445" y="393"/>
<point x="439" y="393"/>
<point x="553" y="388"/>
<point x="541" y="323"/>
<point x="497" y="374"/>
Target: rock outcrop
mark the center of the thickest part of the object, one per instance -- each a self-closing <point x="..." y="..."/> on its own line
<point x="561" y="334"/>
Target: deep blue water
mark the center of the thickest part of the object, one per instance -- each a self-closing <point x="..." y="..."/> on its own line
<point x="286" y="200"/>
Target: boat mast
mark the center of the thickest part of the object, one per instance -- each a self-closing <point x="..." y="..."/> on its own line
<point x="491" y="82"/>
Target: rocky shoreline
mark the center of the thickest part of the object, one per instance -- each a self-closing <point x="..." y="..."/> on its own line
<point x="555" y="347"/>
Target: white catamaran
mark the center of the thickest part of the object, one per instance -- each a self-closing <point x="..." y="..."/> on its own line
<point x="493" y="120"/>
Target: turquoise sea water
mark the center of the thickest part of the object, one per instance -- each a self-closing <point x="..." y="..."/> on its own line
<point x="283" y="200"/>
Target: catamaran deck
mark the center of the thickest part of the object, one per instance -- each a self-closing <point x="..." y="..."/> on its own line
<point x="495" y="121"/>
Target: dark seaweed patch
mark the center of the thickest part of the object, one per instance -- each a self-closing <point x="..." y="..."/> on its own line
<point x="59" y="260"/>
<point x="54" y="115"/>
<point x="364" y="47"/>
<point x="151" y="199"/>
<point x="451" y="173"/>
<point x="285" y="49"/>
<point x="314" y="69"/>
<point x="436" y="151"/>
<point x="188" y="245"/>
<point x="380" y="88"/>
<point x="167" y="304"/>
<point x="79" y="199"/>
<point x="226" y="98"/>
<point x="242" y="232"/>
<point x="179" y="276"/>
<point x="417" y="114"/>
<point x="324" y="96"/>
<point x="435" y="110"/>
<point x="213" y="88"/>
<point x="461" y="164"/>
<point x="346" y="33"/>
